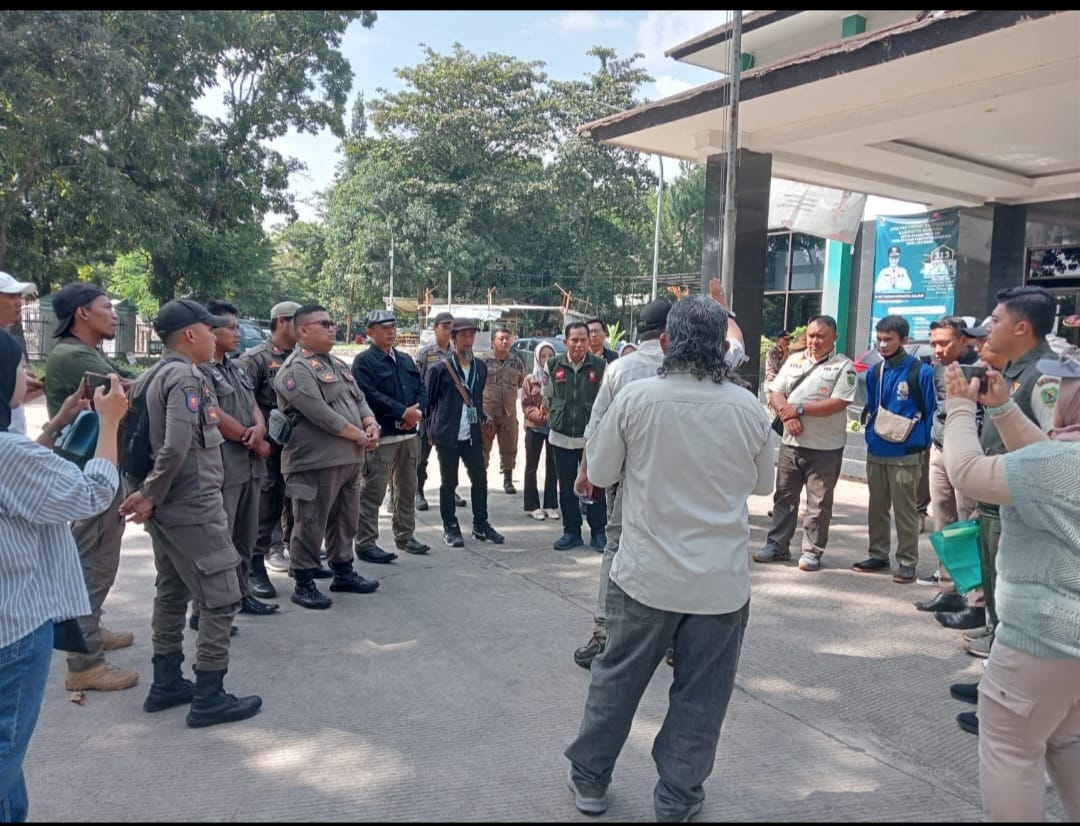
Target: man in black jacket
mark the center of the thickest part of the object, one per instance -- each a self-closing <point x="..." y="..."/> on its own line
<point x="453" y="427"/>
<point x="395" y="391"/>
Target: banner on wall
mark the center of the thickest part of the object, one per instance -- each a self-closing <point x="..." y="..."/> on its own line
<point x="816" y="210"/>
<point x="915" y="269"/>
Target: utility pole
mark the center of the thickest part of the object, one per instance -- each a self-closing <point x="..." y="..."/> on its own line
<point x="656" y="236"/>
<point x="727" y="265"/>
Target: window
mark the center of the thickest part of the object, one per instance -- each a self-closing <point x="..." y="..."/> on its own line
<point x="794" y="277"/>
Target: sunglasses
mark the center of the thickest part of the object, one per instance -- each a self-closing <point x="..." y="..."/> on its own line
<point x="325" y="323"/>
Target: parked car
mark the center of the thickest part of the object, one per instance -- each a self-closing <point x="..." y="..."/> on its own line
<point x="524" y="348"/>
<point x="251" y="335"/>
<point x="870" y="360"/>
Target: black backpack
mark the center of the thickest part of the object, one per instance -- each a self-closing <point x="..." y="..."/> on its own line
<point x="136" y="458"/>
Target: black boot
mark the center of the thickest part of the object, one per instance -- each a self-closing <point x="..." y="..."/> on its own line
<point x="346" y="579"/>
<point x="306" y="594"/>
<point x="261" y="586"/>
<point x="508" y="483"/>
<point x="212" y="704"/>
<point x="169" y="688"/>
<point x="250" y="605"/>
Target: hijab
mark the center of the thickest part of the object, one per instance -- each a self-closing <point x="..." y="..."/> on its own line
<point x="11" y="354"/>
<point x="539" y="373"/>
<point x="1067" y="412"/>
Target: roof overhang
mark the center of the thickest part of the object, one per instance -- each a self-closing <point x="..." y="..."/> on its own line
<point x="958" y="108"/>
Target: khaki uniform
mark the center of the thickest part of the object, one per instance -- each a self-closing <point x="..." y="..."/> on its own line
<point x="504" y="379"/>
<point x="244" y="471"/>
<point x="814" y="458"/>
<point x="261" y="363"/>
<point x="193" y="548"/>
<point x="322" y="470"/>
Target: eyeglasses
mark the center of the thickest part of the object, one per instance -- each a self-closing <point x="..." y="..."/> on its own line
<point x="325" y="323"/>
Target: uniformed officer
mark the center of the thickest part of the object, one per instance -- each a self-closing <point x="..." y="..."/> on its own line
<point x="392" y="384"/>
<point x="811" y="393"/>
<point x="427" y="357"/>
<point x="332" y="427"/>
<point x="505" y="375"/>
<point x="262" y="363"/>
<point x="244" y="450"/>
<point x="181" y="503"/>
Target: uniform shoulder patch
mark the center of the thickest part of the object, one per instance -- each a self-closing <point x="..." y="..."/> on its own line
<point x="1049" y="394"/>
<point x="191" y="398"/>
<point x="290" y="382"/>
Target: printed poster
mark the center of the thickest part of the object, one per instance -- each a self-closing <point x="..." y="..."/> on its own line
<point x="915" y="269"/>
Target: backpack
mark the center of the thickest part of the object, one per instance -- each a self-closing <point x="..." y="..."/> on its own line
<point x="136" y="458"/>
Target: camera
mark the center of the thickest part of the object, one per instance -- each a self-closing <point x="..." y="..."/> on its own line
<point x="975" y="371"/>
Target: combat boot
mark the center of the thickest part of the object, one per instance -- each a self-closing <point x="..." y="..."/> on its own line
<point x="508" y="483"/>
<point x="170" y="687"/>
<point x="259" y="579"/>
<point x="346" y="579"/>
<point x="212" y="704"/>
<point x="306" y="593"/>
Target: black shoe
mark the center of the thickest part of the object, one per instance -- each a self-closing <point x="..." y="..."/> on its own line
<point x="193" y="624"/>
<point x="309" y="596"/>
<point x="169" y="687"/>
<point x="598" y="541"/>
<point x="584" y="656"/>
<point x="375" y="554"/>
<point x="453" y="537"/>
<point x="250" y="605"/>
<point x="413" y="546"/>
<point x="568" y="541"/>
<point x="965" y="692"/>
<point x="347" y="580"/>
<point x="967" y="618"/>
<point x="459" y="501"/>
<point x="421" y="502"/>
<point x="322" y="572"/>
<point x="486" y="533"/>
<point x="943" y="602"/>
<point x="968" y="721"/>
<point x="212" y="704"/>
<point x="873" y="565"/>
<point x="260" y="583"/>
<point x="508" y="486"/>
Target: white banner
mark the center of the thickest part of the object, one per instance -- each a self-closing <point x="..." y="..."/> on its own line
<point x="815" y="210"/>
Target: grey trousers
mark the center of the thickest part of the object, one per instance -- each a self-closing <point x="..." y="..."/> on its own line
<point x="394" y="465"/>
<point x="326" y="506"/>
<point x="707" y="650"/>
<point x="98" y="539"/>
<point x="819" y="471"/>
<point x="894" y="484"/>
<point x="614" y="531"/>
<point x="242" y="504"/>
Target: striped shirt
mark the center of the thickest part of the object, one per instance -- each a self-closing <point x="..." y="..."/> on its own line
<point x="41" y="578"/>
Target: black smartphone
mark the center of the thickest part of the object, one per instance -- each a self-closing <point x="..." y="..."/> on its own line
<point x="975" y="371"/>
<point x="92" y="381"/>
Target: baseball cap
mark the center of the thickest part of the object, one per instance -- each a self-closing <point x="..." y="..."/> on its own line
<point x="284" y="308"/>
<point x="379" y="317"/>
<point x="11" y="286"/>
<point x="68" y="299"/>
<point x="1064" y="366"/>
<point x="460" y="324"/>
<point x="183" y="312"/>
<point x="442" y="318"/>
<point x="653" y="316"/>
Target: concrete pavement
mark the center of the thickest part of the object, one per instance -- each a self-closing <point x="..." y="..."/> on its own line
<point x="450" y="693"/>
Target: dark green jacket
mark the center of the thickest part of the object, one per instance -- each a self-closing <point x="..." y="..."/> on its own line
<point x="573" y="393"/>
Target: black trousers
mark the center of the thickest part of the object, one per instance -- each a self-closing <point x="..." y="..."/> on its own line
<point x="535" y="443"/>
<point x="472" y="454"/>
<point x="421" y="465"/>
<point x="566" y="468"/>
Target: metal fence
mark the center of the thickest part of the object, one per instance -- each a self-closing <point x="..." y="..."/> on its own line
<point x="135" y="338"/>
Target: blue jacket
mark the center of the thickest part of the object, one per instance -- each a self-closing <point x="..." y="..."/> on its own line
<point x="898" y="398"/>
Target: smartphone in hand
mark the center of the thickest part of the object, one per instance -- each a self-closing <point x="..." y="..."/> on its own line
<point x="971" y="371"/>
<point x="92" y="381"/>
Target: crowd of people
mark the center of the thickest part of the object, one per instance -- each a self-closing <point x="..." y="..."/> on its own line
<point x="287" y="439"/>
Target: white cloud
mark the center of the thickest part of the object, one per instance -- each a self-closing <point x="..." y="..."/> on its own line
<point x="666" y="85"/>
<point x="663" y="30"/>
<point x="577" y="22"/>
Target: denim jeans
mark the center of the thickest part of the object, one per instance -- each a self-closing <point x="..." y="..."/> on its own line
<point x="707" y="650"/>
<point x="24" y="669"/>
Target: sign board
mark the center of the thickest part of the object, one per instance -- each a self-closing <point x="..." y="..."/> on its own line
<point x="815" y="210"/>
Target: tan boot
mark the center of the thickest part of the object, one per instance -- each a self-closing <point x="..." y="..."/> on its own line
<point x="111" y="640"/>
<point x="103" y="677"/>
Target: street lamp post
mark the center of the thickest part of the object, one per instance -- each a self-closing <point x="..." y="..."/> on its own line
<point x="390" y="224"/>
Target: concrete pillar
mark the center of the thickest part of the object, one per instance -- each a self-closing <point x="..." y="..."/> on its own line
<point x="751" y="230"/>
<point x="836" y="289"/>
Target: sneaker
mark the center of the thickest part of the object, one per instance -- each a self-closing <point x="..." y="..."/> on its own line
<point x="978" y="633"/>
<point x="980" y="647"/>
<point x="111" y="640"/>
<point x="277" y="560"/>
<point x="770" y="553"/>
<point x="584" y="656"/>
<point x="485" y="533"/>
<point x="905" y="574"/>
<point x="568" y="541"/>
<point x="968" y="721"/>
<point x="809" y="562"/>
<point x="538" y="514"/>
<point x="965" y="692"/>
<point x="452" y="536"/>
<point x="552" y="513"/>
<point x="586" y="804"/>
<point x="102" y="677"/>
<point x="598" y="541"/>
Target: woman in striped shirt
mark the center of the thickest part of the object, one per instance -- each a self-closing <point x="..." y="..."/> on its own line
<point x="41" y="580"/>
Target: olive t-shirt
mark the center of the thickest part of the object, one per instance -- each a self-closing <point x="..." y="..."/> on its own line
<point x="65" y="367"/>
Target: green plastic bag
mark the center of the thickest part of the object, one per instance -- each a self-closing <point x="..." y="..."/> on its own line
<point x="957" y="547"/>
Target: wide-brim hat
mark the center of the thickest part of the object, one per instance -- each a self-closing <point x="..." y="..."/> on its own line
<point x="1064" y="366"/>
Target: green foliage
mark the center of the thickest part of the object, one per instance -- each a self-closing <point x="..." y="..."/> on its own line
<point x="615" y="334"/>
<point x="129" y="279"/>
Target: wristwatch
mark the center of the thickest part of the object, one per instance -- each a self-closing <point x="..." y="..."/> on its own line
<point x="799" y="410"/>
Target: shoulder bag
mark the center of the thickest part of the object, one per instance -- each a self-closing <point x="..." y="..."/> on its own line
<point x="777" y="422"/>
<point x="892" y="427"/>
